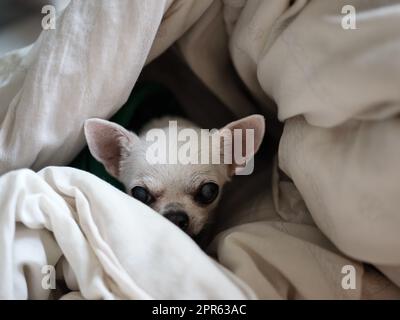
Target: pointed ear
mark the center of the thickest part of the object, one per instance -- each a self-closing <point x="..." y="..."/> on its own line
<point x="242" y="147"/>
<point x="108" y="143"/>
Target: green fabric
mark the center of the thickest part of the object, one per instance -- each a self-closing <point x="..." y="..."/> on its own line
<point x="147" y="100"/>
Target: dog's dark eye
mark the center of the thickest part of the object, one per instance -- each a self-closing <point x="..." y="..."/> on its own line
<point x="207" y="193"/>
<point x="141" y="194"/>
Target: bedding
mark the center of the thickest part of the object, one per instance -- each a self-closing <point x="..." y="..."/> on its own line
<point x="328" y="200"/>
<point x="67" y="218"/>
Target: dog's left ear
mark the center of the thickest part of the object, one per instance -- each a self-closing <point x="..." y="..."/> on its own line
<point x="241" y="147"/>
<point x="108" y="143"/>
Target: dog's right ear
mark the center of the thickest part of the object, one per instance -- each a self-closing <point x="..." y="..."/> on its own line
<point x="108" y="143"/>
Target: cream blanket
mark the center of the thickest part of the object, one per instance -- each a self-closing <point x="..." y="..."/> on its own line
<point x="335" y="206"/>
<point x="111" y="245"/>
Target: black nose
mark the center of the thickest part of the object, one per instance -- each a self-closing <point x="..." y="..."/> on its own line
<point x="180" y="218"/>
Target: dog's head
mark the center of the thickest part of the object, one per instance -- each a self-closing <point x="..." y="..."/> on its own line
<point x="183" y="190"/>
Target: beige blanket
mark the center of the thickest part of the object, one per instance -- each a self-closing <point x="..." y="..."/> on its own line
<point x="289" y="234"/>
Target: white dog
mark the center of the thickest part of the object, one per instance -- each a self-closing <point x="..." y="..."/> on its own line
<point x="184" y="192"/>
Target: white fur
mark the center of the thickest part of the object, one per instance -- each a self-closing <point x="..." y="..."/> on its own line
<point x="172" y="185"/>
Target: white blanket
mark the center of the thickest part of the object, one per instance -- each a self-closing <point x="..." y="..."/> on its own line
<point x="116" y="247"/>
<point x="284" y="236"/>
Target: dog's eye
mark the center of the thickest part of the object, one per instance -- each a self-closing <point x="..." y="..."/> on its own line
<point x="207" y="193"/>
<point x="141" y="194"/>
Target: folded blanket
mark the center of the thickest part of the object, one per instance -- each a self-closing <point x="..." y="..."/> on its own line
<point x="100" y="241"/>
<point x="84" y="68"/>
<point x="337" y="91"/>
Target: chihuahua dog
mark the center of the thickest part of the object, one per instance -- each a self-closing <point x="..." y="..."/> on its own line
<point x="184" y="192"/>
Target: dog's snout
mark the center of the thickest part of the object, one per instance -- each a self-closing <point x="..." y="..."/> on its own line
<point x="179" y="218"/>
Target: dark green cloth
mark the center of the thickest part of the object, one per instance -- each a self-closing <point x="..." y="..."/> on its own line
<point x="147" y="101"/>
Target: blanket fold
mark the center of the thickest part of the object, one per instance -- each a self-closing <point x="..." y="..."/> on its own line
<point x="61" y="213"/>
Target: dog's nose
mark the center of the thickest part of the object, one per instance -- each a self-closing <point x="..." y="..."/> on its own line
<point x="179" y="218"/>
